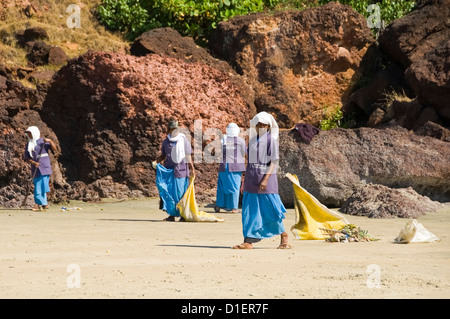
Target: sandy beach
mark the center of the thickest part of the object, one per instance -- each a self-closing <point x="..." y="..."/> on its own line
<point x="125" y="250"/>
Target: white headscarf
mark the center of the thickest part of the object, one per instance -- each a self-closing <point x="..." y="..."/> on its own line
<point x="268" y="119"/>
<point x="233" y="130"/>
<point x="178" y="152"/>
<point x="32" y="142"/>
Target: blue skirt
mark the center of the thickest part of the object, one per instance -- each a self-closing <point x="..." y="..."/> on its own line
<point x="262" y="215"/>
<point x="41" y="188"/>
<point x="228" y="188"/>
<point x="171" y="189"/>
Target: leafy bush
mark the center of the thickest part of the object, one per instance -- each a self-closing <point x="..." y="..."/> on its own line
<point x="389" y="9"/>
<point x="127" y="16"/>
<point x="193" y="18"/>
<point x="332" y="119"/>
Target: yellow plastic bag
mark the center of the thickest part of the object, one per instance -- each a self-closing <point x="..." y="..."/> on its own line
<point x="311" y="215"/>
<point x="188" y="207"/>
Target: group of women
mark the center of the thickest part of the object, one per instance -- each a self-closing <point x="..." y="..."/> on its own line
<point x="248" y="170"/>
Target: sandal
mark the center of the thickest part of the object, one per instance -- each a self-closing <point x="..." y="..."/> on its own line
<point x="169" y="219"/>
<point x="284" y="246"/>
<point x="243" y="246"/>
<point x="216" y="209"/>
<point x="36" y="208"/>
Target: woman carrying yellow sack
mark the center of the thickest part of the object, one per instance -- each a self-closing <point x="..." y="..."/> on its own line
<point x="262" y="209"/>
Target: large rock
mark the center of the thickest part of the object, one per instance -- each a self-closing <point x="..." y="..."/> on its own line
<point x="378" y="201"/>
<point x="110" y="113"/>
<point x="339" y="161"/>
<point x="297" y="62"/>
<point x="420" y="43"/>
<point x="169" y="42"/>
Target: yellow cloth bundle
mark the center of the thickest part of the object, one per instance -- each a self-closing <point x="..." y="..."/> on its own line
<point x="188" y="207"/>
<point x="311" y="215"/>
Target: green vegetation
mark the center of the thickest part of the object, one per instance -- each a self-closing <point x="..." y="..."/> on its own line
<point x="389" y="9"/>
<point x="198" y="18"/>
<point x="332" y="119"/>
<point x="193" y="18"/>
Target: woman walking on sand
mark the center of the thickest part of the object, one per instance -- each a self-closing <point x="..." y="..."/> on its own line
<point x="36" y="153"/>
<point x="230" y="170"/>
<point x="262" y="209"/>
<point x="172" y="178"/>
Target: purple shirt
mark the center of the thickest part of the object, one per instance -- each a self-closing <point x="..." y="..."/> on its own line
<point x="233" y="153"/>
<point x="45" y="168"/>
<point x="261" y="153"/>
<point x="181" y="169"/>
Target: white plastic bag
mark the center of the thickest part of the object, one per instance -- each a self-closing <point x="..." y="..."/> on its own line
<point x="414" y="232"/>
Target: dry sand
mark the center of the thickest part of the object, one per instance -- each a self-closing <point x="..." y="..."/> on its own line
<point x="125" y="250"/>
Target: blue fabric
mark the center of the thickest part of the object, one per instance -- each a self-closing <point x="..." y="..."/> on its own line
<point x="262" y="215"/>
<point x="228" y="188"/>
<point x="41" y="188"/>
<point x="171" y="189"/>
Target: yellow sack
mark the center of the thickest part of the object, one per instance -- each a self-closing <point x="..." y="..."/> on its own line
<point x="311" y="215"/>
<point x="188" y="207"/>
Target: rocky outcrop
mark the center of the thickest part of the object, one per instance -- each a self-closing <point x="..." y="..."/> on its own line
<point x="378" y="201"/>
<point x="339" y="161"/>
<point x="110" y="113"/>
<point x="169" y="42"/>
<point x="297" y="62"/>
<point x="419" y="45"/>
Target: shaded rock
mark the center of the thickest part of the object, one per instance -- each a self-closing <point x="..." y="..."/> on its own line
<point x="434" y="130"/>
<point x="339" y="161"/>
<point x="420" y="43"/>
<point x="368" y="99"/>
<point x="430" y="78"/>
<point x="297" y="62"/>
<point x="28" y="36"/>
<point x="412" y="115"/>
<point x="378" y="201"/>
<point x="39" y="53"/>
<point x="110" y="113"/>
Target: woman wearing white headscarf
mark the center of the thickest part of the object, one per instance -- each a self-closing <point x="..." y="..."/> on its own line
<point x="172" y="178"/>
<point x="230" y="170"/>
<point x="262" y="209"/>
<point x="36" y="153"/>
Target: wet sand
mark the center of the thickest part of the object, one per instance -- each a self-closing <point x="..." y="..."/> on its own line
<point x="125" y="250"/>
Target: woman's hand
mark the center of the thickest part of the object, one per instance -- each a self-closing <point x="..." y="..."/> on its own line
<point x="263" y="184"/>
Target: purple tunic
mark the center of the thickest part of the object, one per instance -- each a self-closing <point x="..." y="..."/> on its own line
<point x="45" y="167"/>
<point x="181" y="169"/>
<point x="233" y="153"/>
<point x="261" y="153"/>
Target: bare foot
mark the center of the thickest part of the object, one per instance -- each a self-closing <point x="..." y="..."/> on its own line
<point x="243" y="246"/>
<point x="284" y="241"/>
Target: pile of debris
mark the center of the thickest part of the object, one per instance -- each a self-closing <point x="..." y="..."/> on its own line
<point x="348" y="233"/>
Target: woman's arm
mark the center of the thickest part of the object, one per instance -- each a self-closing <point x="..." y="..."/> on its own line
<point x="270" y="170"/>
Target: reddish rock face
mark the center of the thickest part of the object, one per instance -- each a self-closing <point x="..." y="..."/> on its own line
<point x="111" y="111"/>
<point x="299" y="62"/>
